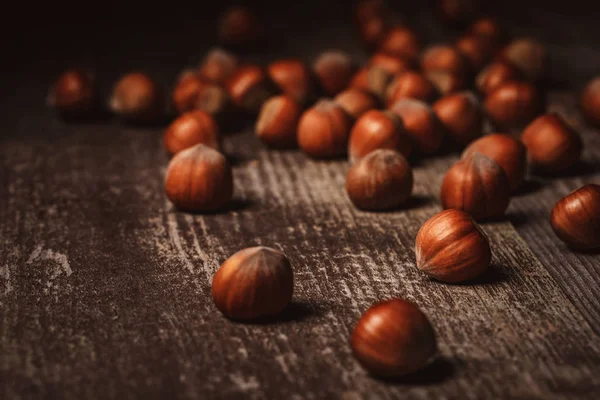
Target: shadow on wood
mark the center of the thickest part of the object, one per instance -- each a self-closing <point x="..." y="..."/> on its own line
<point x="440" y="370"/>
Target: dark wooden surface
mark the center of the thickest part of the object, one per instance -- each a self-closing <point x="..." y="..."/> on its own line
<point x="105" y="288"/>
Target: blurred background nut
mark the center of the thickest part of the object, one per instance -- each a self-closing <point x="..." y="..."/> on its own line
<point x="190" y="129"/>
<point x="420" y="124"/>
<point x="378" y="130"/>
<point x="334" y="70"/>
<point x="277" y="122"/>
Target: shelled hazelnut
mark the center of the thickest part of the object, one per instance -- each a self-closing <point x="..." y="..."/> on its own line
<point x="195" y="93"/>
<point x="334" y="70"/>
<point x="512" y="105"/>
<point x="190" y="129"/>
<point x="494" y="75"/>
<point x="249" y="87"/>
<point x="277" y="122"/>
<point x="489" y="30"/>
<point x="382" y="180"/>
<point x="575" y="218"/>
<point x="393" y="338"/>
<point x="356" y="102"/>
<point x="475" y="51"/>
<point x="378" y="130"/>
<point x="218" y="66"/>
<point x="253" y="283"/>
<point x="529" y="56"/>
<point x="590" y="101"/>
<point x="410" y="85"/>
<point x="137" y="98"/>
<point x="443" y="58"/>
<point x="73" y="94"/>
<point x="458" y="12"/>
<point x="420" y="124"/>
<point x="199" y="179"/>
<point x="294" y="78"/>
<point x="461" y="116"/>
<point x="239" y="27"/>
<point x="451" y="247"/>
<point x="507" y="151"/>
<point x="477" y="185"/>
<point x="402" y="42"/>
<point x="552" y="145"/>
<point x="392" y="64"/>
<point x="323" y="130"/>
<point x="447" y="82"/>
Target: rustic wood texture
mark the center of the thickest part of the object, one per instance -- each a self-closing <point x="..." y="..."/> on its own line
<point x="105" y="287"/>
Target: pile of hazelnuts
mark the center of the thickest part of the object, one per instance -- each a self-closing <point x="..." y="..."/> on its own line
<point x="406" y="101"/>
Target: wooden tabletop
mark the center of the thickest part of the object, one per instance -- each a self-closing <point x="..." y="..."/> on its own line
<point x="105" y="287"/>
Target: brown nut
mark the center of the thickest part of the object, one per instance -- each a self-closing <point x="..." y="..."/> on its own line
<point x="359" y="80"/>
<point x="195" y="93"/>
<point x="294" y="79"/>
<point x="446" y="82"/>
<point x="393" y="338"/>
<point x="334" y="70"/>
<point x="277" y="122"/>
<point x="552" y="145"/>
<point x="356" y="102"/>
<point x="458" y="12"/>
<point x="513" y="104"/>
<point x="443" y="58"/>
<point x="576" y="218"/>
<point x="529" y="56"/>
<point x="253" y="283"/>
<point x="382" y="180"/>
<point x="420" y="124"/>
<point x="137" y="98"/>
<point x="73" y="94"/>
<point x="475" y="50"/>
<point x="239" y="27"/>
<point x="489" y="30"/>
<point x="218" y="66"/>
<point x="410" y="85"/>
<point x="477" y="185"/>
<point x="590" y="101"/>
<point x="199" y="179"/>
<point x="401" y="42"/>
<point x="371" y="20"/>
<point x="507" y="151"/>
<point x="250" y="87"/>
<point x="378" y="130"/>
<point x="392" y="64"/>
<point x="323" y="130"/>
<point x="461" y="116"/>
<point x="494" y="75"/>
<point x="190" y="129"/>
<point x="451" y="247"/>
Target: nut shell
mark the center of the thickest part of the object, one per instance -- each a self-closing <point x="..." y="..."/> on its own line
<point x="576" y="218"/>
<point x="381" y="180"/>
<point x="218" y="66"/>
<point x="392" y="64"/>
<point x="199" y="179"/>
<point x="475" y="50"/>
<point x="513" y="105"/>
<point x="410" y="85"/>
<point x="239" y="27"/>
<point x="393" y="338"/>
<point x="400" y="42"/>
<point x="334" y="70"/>
<point x="294" y="79"/>
<point x="420" y="124"/>
<point x="461" y="116"/>
<point x="447" y="82"/>
<point x="487" y="29"/>
<point x="356" y="102"/>
<point x="137" y="98"/>
<point x="195" y="93"/>
<point x="190" y="129"/>
<point x="443" y="58"/>
<point x="73" y="94"/>
<point x="590" y="101"/>
<point x="253" y="283"/>
<point x="494" y="75"/>
<point x="324" y="129"/>
<point x="452" y="248"/>
<point x="277" y="122"/>
<point x="249" y="87"/>
<point x="378" y="130"/>
<point x="529" y="56"/>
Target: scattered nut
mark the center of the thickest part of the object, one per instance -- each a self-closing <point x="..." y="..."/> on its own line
<point x="250" y="87"/>
<point x="356" y="102"/>
<point x="323" y="130"/>
<point x="239" y="27"/>
<point x="446" y="82"/>
<point x="461" y="116"/>
<point x="401" y="42"/>
<point x="190" y="129"/>
<point x="73" y="94"/>
<point x="378" y="130"/>
<point x="334" y="70"/>
<point x="529" y="56"/>
<point x="294" y="79"/>
<point x="277" y="122"/>
<point x="590" y="101"/>
<point x="512" y="105"/>
<point x="195" y="93"/>
<point x="576" y="218"/>
<point x="494" y="75"/>
<point x="410" y="85"/>
<point x="137" y="98"/>
<point x="475" y="50"/>
<point x="420" y="124"/>
<point x="218" y="66"/>
<point x="443" y="58"/>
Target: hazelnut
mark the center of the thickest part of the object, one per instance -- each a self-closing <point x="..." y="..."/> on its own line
<point x="478" y="185"/>
<point x="378" y="130"/>
<point x="323" y="130"/>
<point x="552" y="145"/>
<point x="371" y="19"/>
<point x="190" y="129"/>
<point x="239" y="27"/>
<point x="356" y="102"/>
<point x="218" y="66"/>
<point x="277" y="122"/>
<point x="250" y="87"/>
<point x="475" y="50"/>
<point x="137" y="98"/>
<point x="528" y="55"/>
<point x="410" y="85"/>
<point x="461" y="116"/>
<point x="487" y="29"/>
<point x="392" y="64"/>
<point x="378" y="82"/>
<point x="451" y="247"/>
<point x="73" y="94"/>
<point x="590" y="101"/>
<point x="359" y="79"/>
<point x="393" y="338"/>
<point x="507" y="151"/>
<point x="294" y="79"/>
<point x="458" y="12"/>
<point x="443" y="58"/>
<point x="576" y="218"/>
<point x="420" y="124"/>
<point x="400" y="42"/>
<point x="253" y="283"/>
<point x="199" y="179"/>
<point x="513" y="104"/>
<point x="446" y="82"/>
<point x="334" y="70"/>
<point x="494" y="75"/>
<point x="195" y="93"/>
<point x="381" y="180"/>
